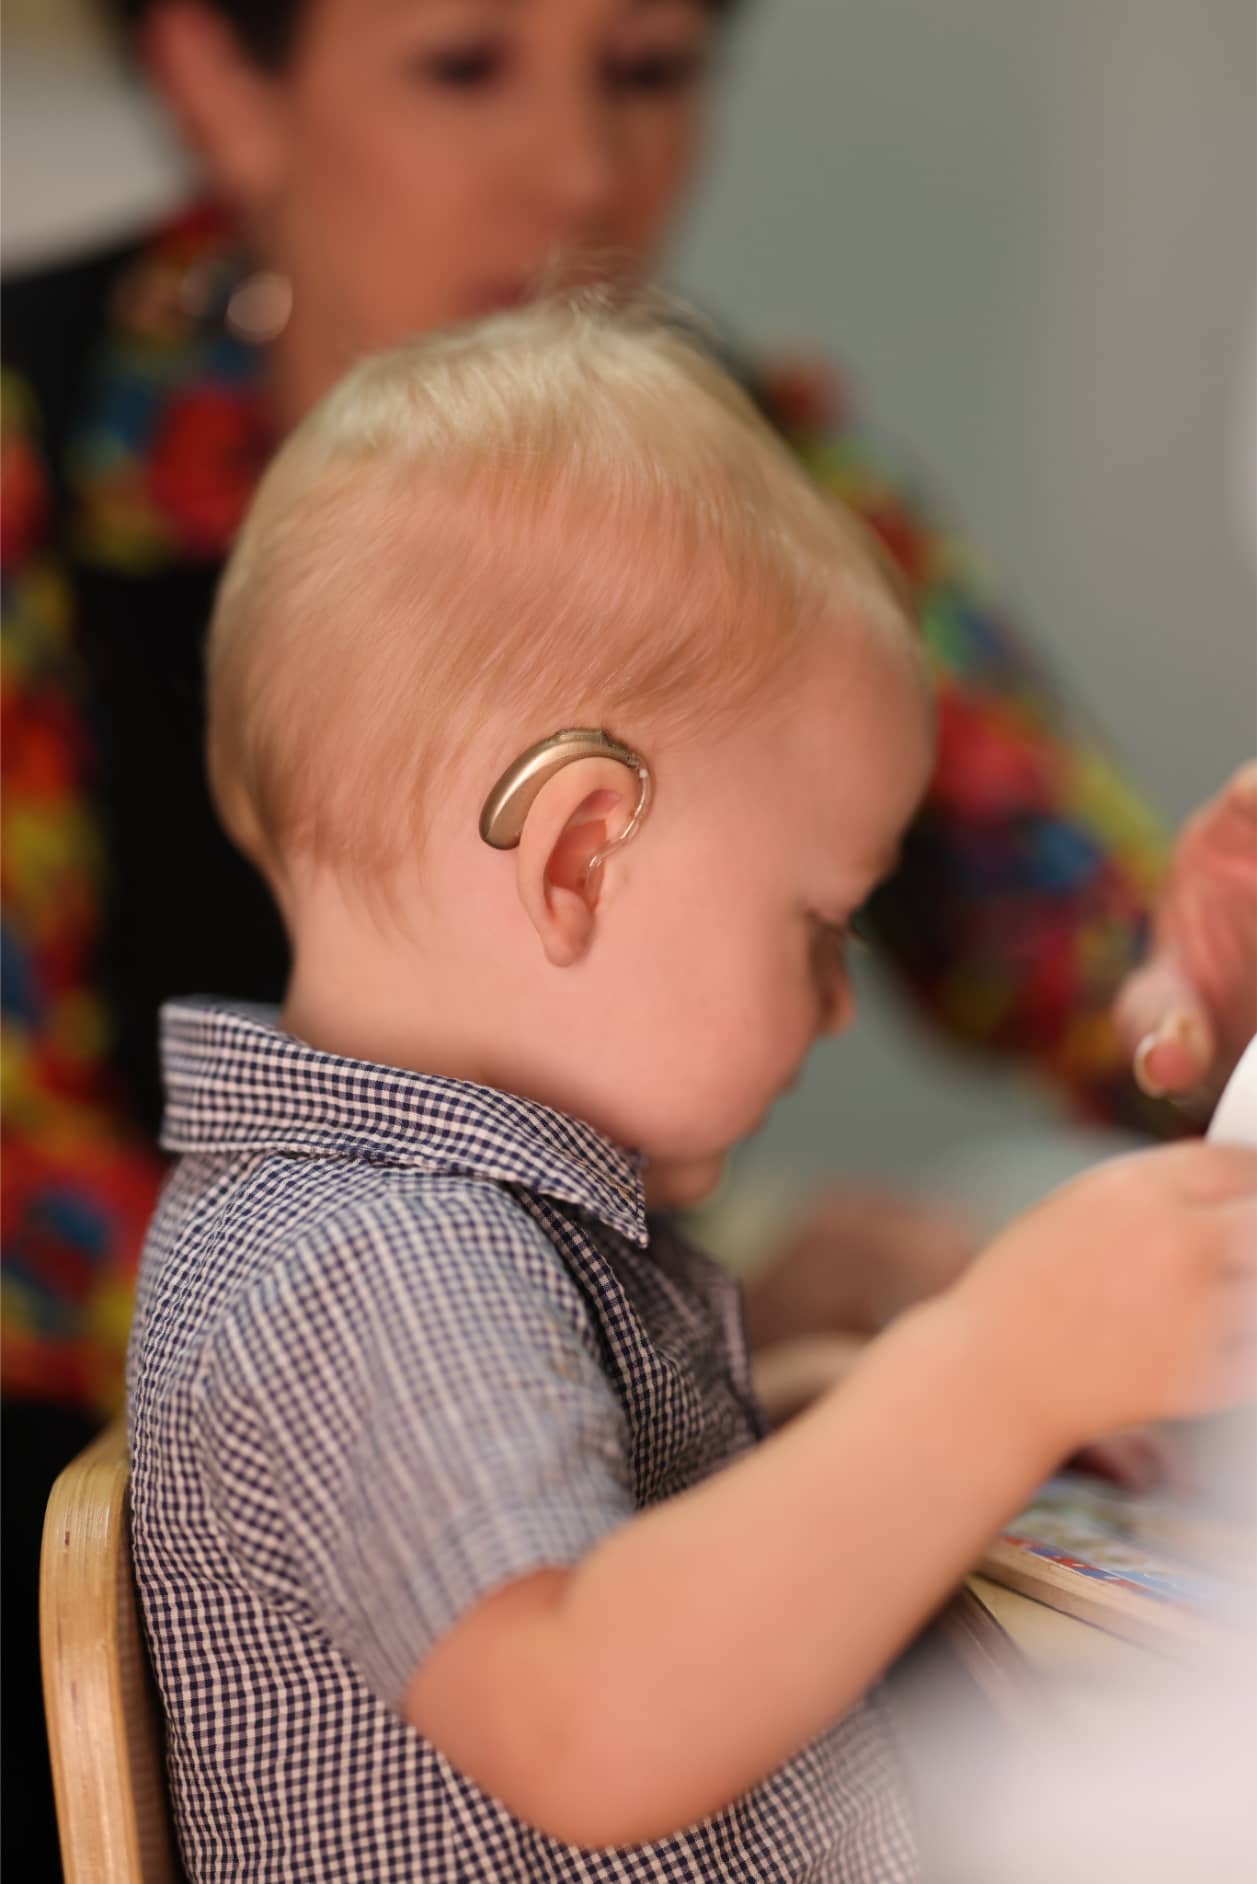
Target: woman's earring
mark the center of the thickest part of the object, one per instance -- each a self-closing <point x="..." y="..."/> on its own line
<point x="260" y="307"/>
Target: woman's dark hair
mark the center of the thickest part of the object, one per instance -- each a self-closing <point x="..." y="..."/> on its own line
<point x="266" y="28"/>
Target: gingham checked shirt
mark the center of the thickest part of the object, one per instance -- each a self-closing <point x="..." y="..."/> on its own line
<point x="399" y="1340"/>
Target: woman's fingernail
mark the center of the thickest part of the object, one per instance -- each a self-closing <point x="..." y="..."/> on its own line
<point x="1180" y="1029"/>
<point x="1186" y="1030"/>
<point x="1144" y="1078"/>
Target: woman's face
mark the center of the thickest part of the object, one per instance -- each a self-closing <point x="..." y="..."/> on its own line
<point x="416" y="162"/>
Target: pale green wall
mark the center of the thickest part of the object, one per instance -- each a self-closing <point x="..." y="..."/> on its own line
<point x="1030" y="231"/>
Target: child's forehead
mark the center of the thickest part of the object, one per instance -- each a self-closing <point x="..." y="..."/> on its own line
<point x="852" y="745"/>
<point x="857" y="664"/>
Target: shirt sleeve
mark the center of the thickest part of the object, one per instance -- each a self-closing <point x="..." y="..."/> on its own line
<point x="408" y="1417"/>
<point x="1028" y="879"/>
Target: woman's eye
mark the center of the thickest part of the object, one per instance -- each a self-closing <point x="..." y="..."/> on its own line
<point x="658" y="73"/>
<point x="462" y="68"/>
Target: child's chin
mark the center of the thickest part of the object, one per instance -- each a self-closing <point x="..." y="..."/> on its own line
<point x="681" y="1183"/>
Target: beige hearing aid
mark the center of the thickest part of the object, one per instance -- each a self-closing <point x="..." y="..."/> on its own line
<point x="508" y="804"/>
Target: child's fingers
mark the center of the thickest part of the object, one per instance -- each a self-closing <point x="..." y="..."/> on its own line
<point x="1237" y="1337"/>
<point x="1222" y="1177"/>
<point x="1234" y="1374"/>
<point x="1238" y="1222"/>
<point x="1239" y="1262"/>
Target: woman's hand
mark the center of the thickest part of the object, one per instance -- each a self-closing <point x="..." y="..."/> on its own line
<point x="1188" y="1013"/>
<point x="856" y="1258"/>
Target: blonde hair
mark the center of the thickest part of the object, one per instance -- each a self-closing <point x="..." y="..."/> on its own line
<point x="568" y="515"/>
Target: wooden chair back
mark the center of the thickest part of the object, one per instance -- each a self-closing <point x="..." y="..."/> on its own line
<point x="104" y="1719"/>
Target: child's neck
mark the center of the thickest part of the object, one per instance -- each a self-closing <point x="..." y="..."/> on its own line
<point x="462" y="997"/>
<point x="368" y="989"/>
<point x="365" y="1013"/>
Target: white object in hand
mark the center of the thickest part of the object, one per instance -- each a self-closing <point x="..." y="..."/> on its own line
<point x="1235" y="1120"/>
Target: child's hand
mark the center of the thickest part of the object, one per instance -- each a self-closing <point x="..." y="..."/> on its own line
<point x="1129" y="1294"/>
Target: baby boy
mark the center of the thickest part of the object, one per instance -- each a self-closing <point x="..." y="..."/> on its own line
<point x="570" y="728"/>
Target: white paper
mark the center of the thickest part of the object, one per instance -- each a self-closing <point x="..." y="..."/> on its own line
<point x="1235" y="1120"/>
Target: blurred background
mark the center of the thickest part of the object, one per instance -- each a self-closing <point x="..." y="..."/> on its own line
<point x="1027" y="236"/>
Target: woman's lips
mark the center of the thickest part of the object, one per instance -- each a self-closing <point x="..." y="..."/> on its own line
<point x="498" y="297"/>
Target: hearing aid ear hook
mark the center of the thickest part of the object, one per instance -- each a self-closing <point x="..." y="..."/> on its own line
<point x="508" y="804"/>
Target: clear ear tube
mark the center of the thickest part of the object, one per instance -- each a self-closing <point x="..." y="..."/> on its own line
<point x="645" y="792"/>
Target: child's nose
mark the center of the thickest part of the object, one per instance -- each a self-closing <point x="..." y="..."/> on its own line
<point x="837" y="1008"/>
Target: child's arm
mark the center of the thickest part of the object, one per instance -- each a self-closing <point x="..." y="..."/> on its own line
<point x="709" y="1639"/>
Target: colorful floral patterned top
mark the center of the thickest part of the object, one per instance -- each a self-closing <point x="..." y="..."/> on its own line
<point x="1022" y="899"/>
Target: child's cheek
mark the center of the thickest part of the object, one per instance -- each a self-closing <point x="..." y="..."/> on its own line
<point x="784" y="1034"/>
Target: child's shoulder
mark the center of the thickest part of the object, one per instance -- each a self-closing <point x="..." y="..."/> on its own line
<point x="282" y="1216"/>
<point x="312" y="1188"/>
<point x="291" y="1294"/>
<point x="429" y="1227"/>
<point x="286" y="1247"/>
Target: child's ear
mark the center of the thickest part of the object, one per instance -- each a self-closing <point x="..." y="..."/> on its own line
<point x="574" y="818"/>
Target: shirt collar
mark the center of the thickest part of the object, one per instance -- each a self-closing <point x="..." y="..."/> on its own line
<point x="235" y="1082"/>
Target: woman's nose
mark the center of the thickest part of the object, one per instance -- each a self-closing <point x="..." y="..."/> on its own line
<point x="575" y="168"/>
